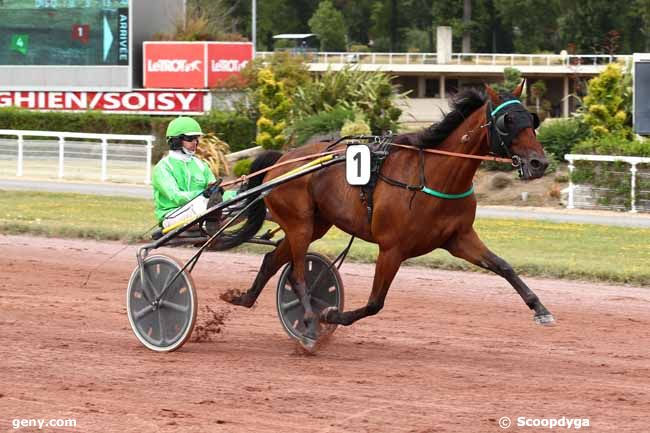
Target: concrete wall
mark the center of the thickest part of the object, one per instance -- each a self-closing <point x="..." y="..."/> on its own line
<point x="150" y="17"/>
<point x="443" y="44"/>
<point x="421" y="112"/>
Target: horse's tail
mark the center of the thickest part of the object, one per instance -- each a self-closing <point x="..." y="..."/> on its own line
<point x="256" y="213"/>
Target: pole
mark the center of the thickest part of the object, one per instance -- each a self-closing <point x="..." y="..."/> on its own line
<point x="61" y="156"/>
<point x="633" y="188"/>
<point x="571" y="204"/>
<point x="254" y="27"/>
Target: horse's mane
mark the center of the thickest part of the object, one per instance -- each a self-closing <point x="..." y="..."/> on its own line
<point x="463" y="104"/>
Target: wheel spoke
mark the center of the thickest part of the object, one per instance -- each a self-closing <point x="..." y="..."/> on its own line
<point x="161" y="327"/>
<point x="174" y="306"/>
<point x="148" y="286"/>
<point x="320" y="302"/>
<point x="140" y="314"/>
<point x="286" y="306"/>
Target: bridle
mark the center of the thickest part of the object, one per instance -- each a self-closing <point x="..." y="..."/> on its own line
<point x="504" y="124"/>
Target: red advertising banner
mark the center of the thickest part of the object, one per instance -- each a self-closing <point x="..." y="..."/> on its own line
<point x="174" y="65"/>
<point x="193" y="65"/>
<point x="226" y="60"/>
<point x="118" y="102"/>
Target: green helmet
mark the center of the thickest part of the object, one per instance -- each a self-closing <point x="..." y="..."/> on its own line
<point x="183" y="126"/>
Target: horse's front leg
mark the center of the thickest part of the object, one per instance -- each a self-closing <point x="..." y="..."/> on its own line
<point x="469" y="247"/>
<point x="388" y="263"/>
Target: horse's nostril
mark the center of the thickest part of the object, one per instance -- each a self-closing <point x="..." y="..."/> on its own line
<point x="536" y="164"/>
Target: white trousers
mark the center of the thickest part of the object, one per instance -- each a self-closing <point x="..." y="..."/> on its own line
<point x="190" y="210"/>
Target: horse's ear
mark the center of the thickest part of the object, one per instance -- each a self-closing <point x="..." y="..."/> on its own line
<point x="520" y="88"/>
<point x="494" y="97"/>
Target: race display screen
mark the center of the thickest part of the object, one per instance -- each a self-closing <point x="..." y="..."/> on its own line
<point x="64" y="32"/>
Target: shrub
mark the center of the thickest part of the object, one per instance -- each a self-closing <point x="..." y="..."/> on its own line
<point x="501" y="181"/>
<point x="560" y="136"/>
<point x="321" y="123"/>
<point x="607" y="103"/>
<point x="369" y="92"/>
<point x="359" y="48"/>
<point x="242" y="167"/>
<point x="358" y="126"/>
<point x="511" y="79"/>
<point x="613" y="144"/>
<point x="233" y="128"/>
<point x="213" y="151"/>
<point x="275" y="108"/>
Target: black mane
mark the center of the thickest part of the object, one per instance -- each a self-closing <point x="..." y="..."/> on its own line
<point x="463" y="104"/>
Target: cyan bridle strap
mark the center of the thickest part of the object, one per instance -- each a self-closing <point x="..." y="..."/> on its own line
<point x="439" y="194"/>
<point x="422" y="186"/>
<point x="505" y="104"/>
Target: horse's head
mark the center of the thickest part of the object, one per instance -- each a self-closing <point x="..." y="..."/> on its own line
<point x="512" y="133"/>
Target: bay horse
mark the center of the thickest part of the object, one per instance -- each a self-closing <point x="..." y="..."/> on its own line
<point x="405" y="222"/>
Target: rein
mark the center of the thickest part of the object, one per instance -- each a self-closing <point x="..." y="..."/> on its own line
<point x="243" y="179"/>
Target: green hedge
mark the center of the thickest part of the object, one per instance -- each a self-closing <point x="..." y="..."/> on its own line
<point x="560" y="136"/>
<point x="236" y="130"/>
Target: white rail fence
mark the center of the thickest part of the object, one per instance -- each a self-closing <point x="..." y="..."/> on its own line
<point x="589" y="196"/>
<point x="72" y="155"/>
<point x="459" y="58"/>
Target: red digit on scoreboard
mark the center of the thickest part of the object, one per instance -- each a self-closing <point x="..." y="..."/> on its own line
<point x="81" y="33"/>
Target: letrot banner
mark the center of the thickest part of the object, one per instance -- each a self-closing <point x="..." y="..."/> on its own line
<point x="193" y="65"/>
<point x="145" y="102"/>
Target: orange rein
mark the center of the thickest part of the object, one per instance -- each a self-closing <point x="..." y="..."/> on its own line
<point x="317" y="155"/>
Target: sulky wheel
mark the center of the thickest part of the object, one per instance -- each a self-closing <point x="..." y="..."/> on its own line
<point x="326" y="287"/>
<point x="166" y="324"/>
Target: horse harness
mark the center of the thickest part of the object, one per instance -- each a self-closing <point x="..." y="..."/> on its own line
<point x="379" y="151"/>
<point x="504" y="123"/>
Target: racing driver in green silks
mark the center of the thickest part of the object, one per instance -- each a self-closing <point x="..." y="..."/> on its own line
<point x="182" y="182"/>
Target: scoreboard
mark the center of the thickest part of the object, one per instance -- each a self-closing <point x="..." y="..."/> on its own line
<point x="65" y="44"/>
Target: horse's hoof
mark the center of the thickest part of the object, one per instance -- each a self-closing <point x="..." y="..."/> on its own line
<point x="308" y="345"/>
<point x="235" y="297"/>
<point x="328" y="314"/>
<point x="544" y="319"/>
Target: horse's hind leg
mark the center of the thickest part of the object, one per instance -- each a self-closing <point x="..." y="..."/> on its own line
<point x="272" y="262"/>
<point x="469" y="247"/>
<point x="388" y="263"/>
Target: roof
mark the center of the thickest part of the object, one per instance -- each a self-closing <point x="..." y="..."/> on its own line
<point x="294" y="35"/>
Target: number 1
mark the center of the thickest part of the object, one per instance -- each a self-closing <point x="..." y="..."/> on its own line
<point x="357" y="157"/>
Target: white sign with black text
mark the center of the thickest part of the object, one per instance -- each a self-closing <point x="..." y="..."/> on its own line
<point x="357" y="164"/>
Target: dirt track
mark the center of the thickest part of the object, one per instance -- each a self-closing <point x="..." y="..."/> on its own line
<point x="450" y="352"/>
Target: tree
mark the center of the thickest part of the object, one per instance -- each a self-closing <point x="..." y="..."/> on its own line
<point x="329" y="25"/>
<point x="477" y="27"/>
<point x="587" y="23"/>
<point x="467" y="19"/>
<point x="511" y="79"/>
<point x="519" y="15"/>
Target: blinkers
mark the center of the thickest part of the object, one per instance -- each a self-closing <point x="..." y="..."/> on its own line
<point x="506" y="121"/>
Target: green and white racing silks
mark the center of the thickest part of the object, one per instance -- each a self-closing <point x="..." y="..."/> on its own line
<point x="177" y="179"/>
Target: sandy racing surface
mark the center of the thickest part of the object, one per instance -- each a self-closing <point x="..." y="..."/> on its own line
<point x="450" y="352"/>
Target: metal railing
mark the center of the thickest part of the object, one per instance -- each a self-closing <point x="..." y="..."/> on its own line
<point x="632" y="160"/>
<point x="572" y="60"/>
<point x="84" y="154"/>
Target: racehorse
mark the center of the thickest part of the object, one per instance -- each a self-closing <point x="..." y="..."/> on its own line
<point x="407" y="221"/>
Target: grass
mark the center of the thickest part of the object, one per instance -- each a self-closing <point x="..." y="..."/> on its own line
<point x="75" y="215"/>
<point x="576" y="251"/>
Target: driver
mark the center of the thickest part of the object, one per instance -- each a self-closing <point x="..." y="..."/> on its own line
<point x="182" y="182"/>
